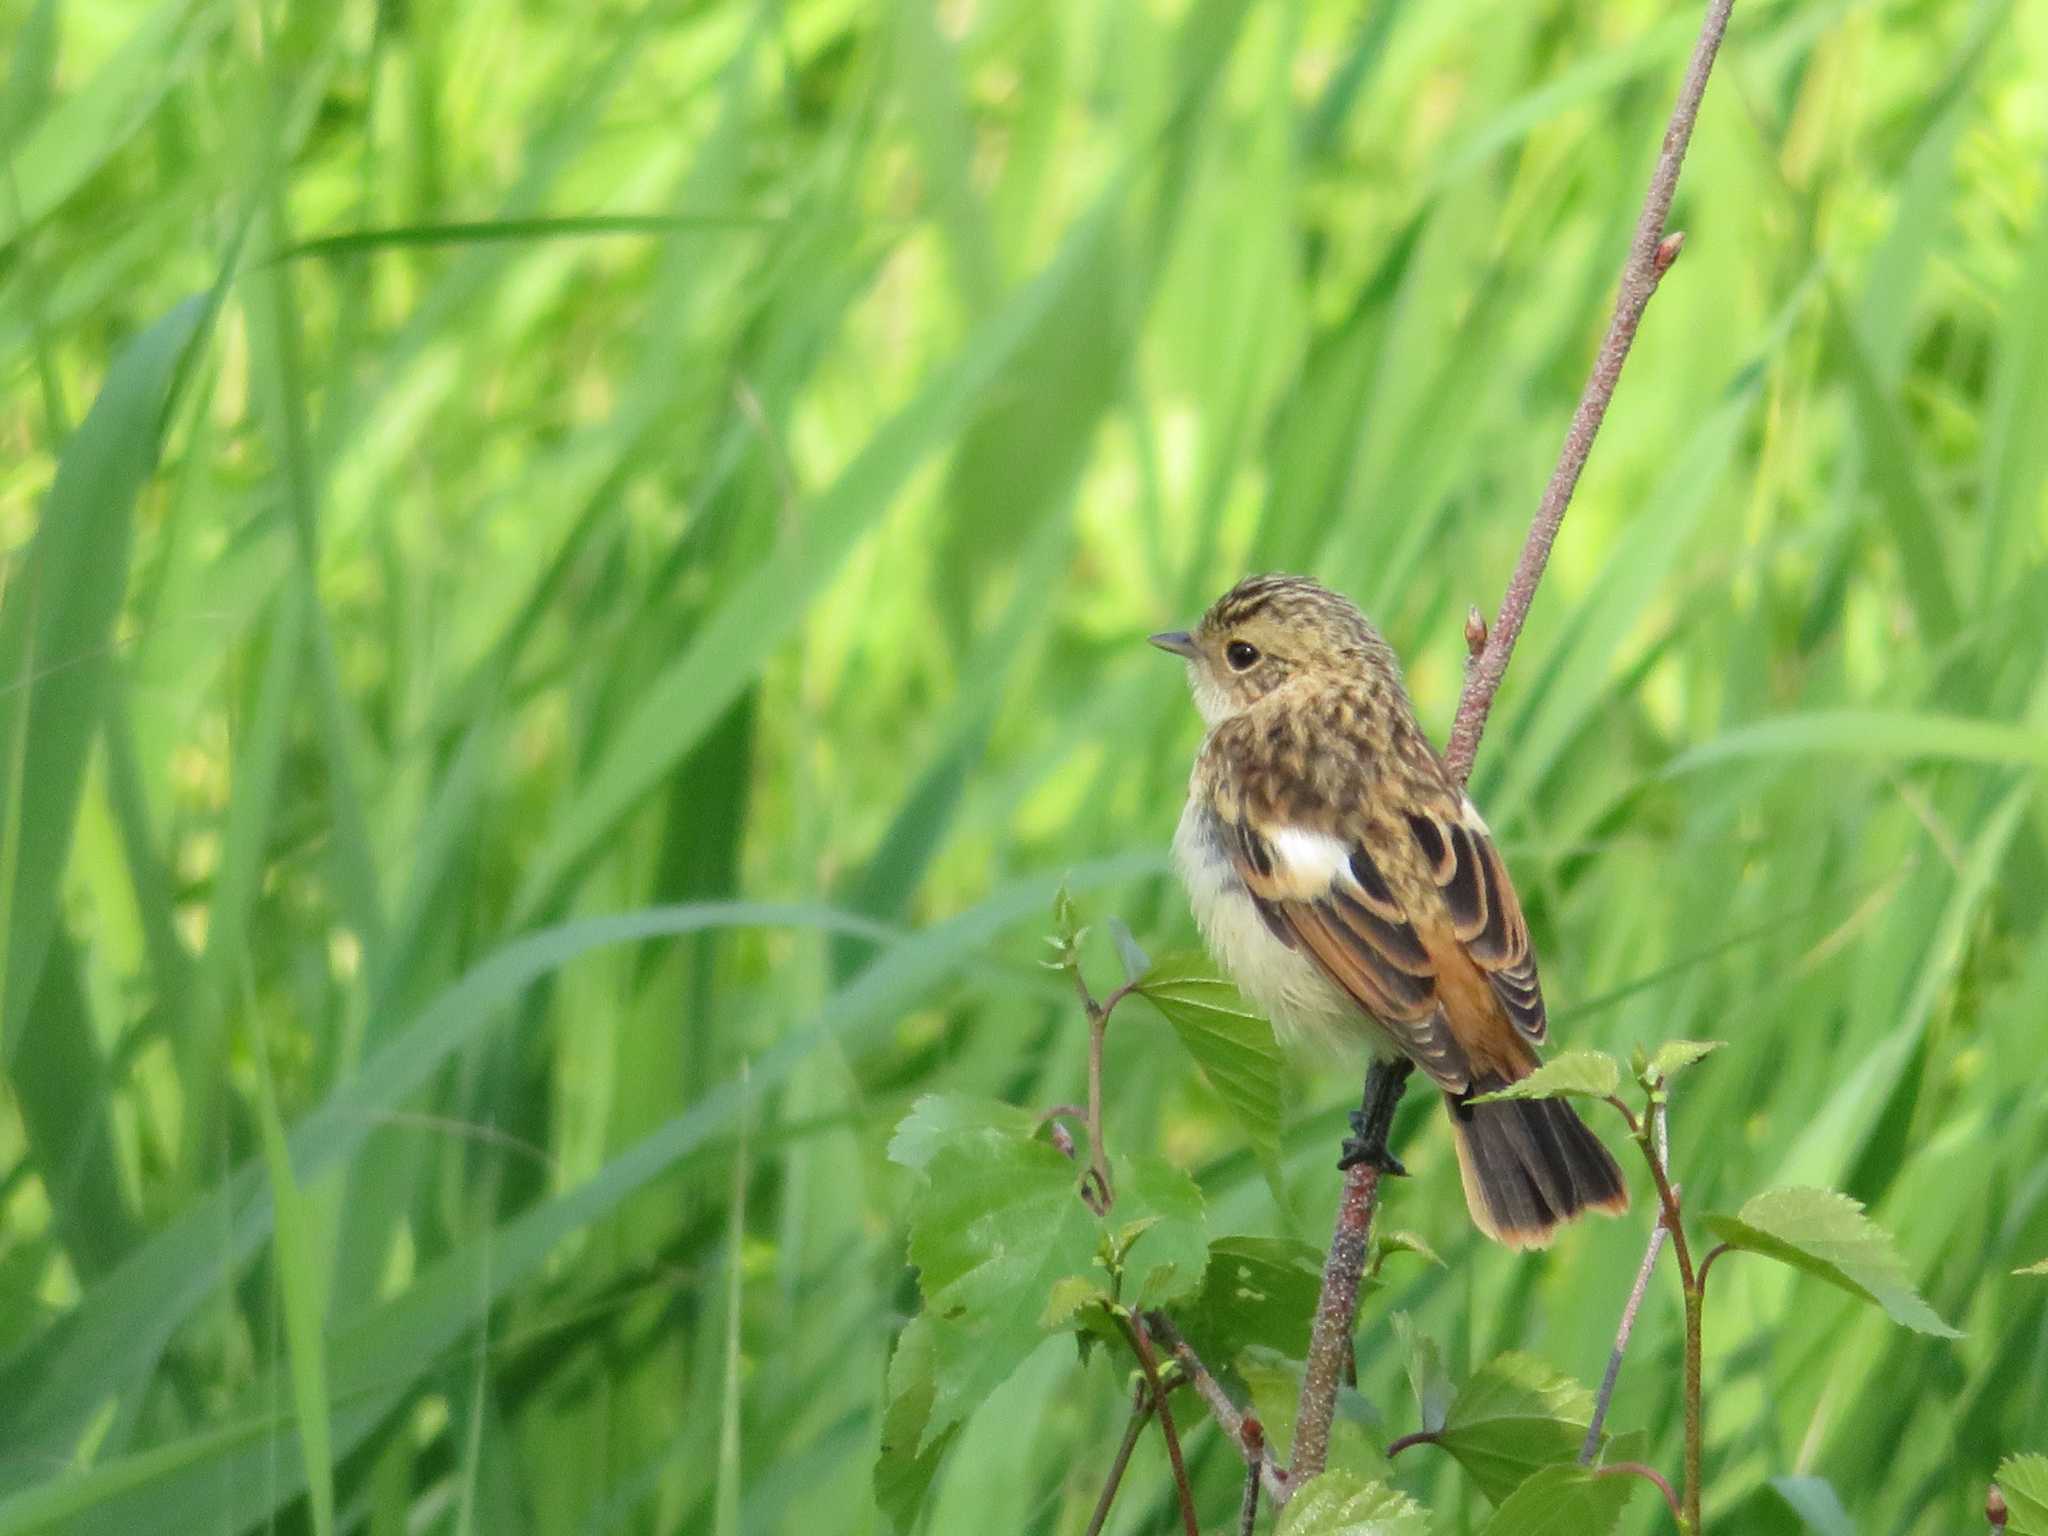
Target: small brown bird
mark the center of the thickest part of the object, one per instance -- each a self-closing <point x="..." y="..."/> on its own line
<point x="1341" y="877"/>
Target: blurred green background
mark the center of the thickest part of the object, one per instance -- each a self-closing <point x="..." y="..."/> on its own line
<point x="575" y="578"/>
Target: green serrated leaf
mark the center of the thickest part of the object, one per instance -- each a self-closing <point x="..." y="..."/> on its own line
<point x="1233" y="1046"/>
<point x="1574" y="1074"/>
<point x="2023" y="1479"/>
<point x="1341" y="1503"/>
<point x="1068" y="1296"/>
<point x="995" y="1229"/>
<point x="938" y="1119"/>
<point x="1513" y="1416"/>
<point x="1826" y="1234"/>
<point x="1816" y="1503"/>
<point x="1130" y="1232"/>
<point x="1135" y="961"/>
<point x="1255" y="1291"/>
<point x="1674" y="1056"/>
<point x="1166" y="1255"/>
<point x="2034" y="1269"/>
<point x="1627" y="1445"/>
<point x="905" y="1464"/>
<point x="1566" y="1500"/>
<point x="1426" y="1373"/>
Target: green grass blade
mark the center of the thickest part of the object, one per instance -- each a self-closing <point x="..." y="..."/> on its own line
<point x="1876" y="734"/>
<point x="301" y="1272"/>
<point x="766" y="604"/>
<point x="56" y="638"/>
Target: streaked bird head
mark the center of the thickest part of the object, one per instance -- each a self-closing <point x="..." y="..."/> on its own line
<point x="1271" y="631"/>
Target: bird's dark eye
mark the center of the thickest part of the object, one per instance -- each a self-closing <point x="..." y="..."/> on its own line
<point x="1240" y="655"/>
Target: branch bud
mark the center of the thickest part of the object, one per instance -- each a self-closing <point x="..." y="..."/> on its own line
<point x="1668" y="249"/>
<point x="1475" y="630"/>
<point x="1994" y="1508"/>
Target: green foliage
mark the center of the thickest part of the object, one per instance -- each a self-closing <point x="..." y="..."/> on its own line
<point x="938" y="1119"/>
<point x="1514" y="1416"/>
<point x="2023" y="1479"/>
<point x="1338" y="1503"/>
<point x="1256" y="1291"/>
<point x="2040" y="1268"/>
<point x="1006" y="1250"/>
<point x="1826" y="1234"/>
<point x="907" y="1460"/>
<point x="1816" y="1503"/>
<point x="1233" y="1046"/>
<point x="559" y="691"/>
<point x="1569" y="1074"/>
<point x="1562" y="1500"/>
<point x="1130" y="954"/>
<point x="1674" y="1056"/>
<point x="301" y="1280"/>
<point x="56" y="644"/>
<point x="995" y="1231"/>
<point x="1161" y="1231"/>
<point x="1426" y="1373"/>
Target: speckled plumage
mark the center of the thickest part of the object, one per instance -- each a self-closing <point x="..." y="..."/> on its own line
<point x="1355" y="895"/>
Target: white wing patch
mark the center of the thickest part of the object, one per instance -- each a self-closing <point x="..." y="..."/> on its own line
<point x="1308" y="862"/>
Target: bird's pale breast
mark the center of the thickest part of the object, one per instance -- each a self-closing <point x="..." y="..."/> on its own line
<point x="1306" y="1008"/>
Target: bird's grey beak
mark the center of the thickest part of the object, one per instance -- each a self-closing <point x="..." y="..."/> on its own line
<point x="1178" y="641"/>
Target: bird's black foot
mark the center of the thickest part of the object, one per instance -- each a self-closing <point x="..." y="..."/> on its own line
<point x="1363" y="1148"/>
<point x="1371" y="1122"/>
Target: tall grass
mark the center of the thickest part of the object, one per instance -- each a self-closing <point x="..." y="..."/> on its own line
<point x="574" y="582"/>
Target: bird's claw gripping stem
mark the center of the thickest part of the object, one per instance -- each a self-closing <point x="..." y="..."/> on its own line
<point x="1374" y="1119"/>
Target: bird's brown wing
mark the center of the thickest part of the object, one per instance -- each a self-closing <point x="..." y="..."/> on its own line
<point x="1486" y="918"/>
<point x="1426" y="969"/>
<point x="1329" y="899"/>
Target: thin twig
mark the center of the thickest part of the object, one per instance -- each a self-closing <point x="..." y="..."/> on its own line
<point x="1655" y="1150"/>
<point x="1649" y="1474"/>
<point x="1098" y="1153"/>
<point x="1707" y="1263"/>
<point x="1628" y="1326"/>
<point x="1253" y="1444"/>
<point x="1650" y="256"/>
<point x="1141" y="1410"/>
<point x="1103" y="1195"/>
<point x="1233" y="1423"/>
<point x="1655" y="1140"/>
<point x="1141" y="1346"/>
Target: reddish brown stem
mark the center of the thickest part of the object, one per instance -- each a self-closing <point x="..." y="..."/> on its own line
<point x="1235" y="1425"/>
<point x="1648" y="1474"/>
<point x="1252" y="1441"/>
<point x="1096" y="1188"/>
<point x="1409" y="1442"/>
<point x="1141" y="1346"/>
<point x="1335" y="1309"/>
<point x="1650" y="256"/>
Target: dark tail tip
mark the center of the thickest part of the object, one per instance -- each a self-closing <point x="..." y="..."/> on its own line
<point x="1529" y="1165"/>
